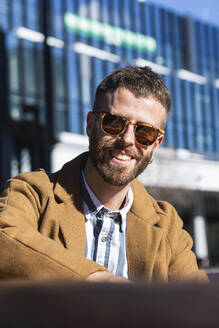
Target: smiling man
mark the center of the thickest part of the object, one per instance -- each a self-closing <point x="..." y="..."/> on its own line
<point x="93" y="220"/>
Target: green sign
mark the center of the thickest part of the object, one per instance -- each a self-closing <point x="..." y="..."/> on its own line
<point x="108" y="33"/>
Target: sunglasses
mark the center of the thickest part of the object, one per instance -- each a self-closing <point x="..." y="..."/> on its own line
<point x="114" y="125"/>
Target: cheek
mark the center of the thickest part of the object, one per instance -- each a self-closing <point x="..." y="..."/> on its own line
<point x="102" y="140"/>
<point x="105" y="138"/>
<point x="107" y="141"/>
<point x="147" y="151"/>
<point x="90" y="124"/>
<point x="143" y="150"/>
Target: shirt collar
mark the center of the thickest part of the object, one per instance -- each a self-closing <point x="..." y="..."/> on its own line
<point x="92" y="203"/>
<point x="94" y="206"/>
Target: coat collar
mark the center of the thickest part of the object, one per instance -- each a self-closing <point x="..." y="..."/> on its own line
<point x="144" y="206"/>
<point x="67" y="181"/>
<point x="68" y="197"/>
<point x="67" y="187"/>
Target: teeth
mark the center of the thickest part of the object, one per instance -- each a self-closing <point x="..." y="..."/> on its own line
<point x="122" y="157"/>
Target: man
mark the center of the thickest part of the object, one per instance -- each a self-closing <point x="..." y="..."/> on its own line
<point x="93" y="220"/>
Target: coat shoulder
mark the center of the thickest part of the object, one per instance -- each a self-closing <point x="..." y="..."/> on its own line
<point x="39" y="178"/>
<point x="158" y="212"/>
<point x="169" y="217"/>
<point x="39" y="184"/>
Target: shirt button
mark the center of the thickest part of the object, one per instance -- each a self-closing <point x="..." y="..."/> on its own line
<point x="103" y="239"/>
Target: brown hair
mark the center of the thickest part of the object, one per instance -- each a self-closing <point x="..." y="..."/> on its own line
<point x="142" y="81"/>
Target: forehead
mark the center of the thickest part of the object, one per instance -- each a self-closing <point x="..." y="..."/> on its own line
<point x="137" y="109"/>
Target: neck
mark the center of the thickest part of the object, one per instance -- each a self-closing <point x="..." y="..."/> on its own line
<point x="110" y="196"/>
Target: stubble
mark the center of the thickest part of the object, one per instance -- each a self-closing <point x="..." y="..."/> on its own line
<point x="111" y="172"/>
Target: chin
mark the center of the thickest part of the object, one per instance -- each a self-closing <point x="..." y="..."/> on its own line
<point x="116" y="176"/>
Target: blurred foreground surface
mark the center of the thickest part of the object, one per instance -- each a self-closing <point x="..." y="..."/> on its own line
<point x="68" y="304"/>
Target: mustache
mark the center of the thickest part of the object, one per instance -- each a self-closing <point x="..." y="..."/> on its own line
<point x="119" y="144"/>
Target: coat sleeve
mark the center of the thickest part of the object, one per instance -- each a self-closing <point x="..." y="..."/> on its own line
<point x="24" y="251"/>
<point x="183" y="264"/>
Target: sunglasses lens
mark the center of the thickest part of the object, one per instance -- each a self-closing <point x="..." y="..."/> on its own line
<point x="145" y="135"/>
<point x="113" y="124"/>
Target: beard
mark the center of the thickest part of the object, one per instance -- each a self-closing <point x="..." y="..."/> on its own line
<point x="111" y="172"/>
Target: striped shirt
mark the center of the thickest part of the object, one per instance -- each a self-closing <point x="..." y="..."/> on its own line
<point x="105" y="231"/>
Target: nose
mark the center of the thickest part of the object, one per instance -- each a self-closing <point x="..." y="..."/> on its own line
<point x="128" y="136"/>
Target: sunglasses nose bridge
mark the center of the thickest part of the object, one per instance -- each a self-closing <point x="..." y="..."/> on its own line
<point x="127" y="123"/>
<point x="128" y="135"/>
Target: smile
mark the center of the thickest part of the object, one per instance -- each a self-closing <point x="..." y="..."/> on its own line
<point x="121" y="156"/>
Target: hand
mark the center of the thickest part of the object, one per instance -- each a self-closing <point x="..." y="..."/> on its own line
<point x="103" y="276"/>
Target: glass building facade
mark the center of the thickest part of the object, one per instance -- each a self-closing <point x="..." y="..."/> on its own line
<point x="90" y="38"/>
<point x="87" y="39"/>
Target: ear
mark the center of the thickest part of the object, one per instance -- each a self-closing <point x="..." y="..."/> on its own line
<point x="90" y="123"/>
<point x="157" y="144"/>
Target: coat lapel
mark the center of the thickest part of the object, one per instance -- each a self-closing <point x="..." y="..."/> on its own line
<point x="143" y="235"/>
<point x="70" y="205"/>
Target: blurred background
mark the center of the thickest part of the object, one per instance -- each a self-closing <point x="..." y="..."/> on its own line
<point x="54" y="53"/>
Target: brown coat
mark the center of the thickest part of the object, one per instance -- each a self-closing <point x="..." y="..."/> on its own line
<point x="42" y="231"/>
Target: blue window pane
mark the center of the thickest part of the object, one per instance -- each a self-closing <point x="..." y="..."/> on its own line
<point x="12" y="44"/>
<point x="29" y="68"/>
<point x="179" y="113"/>
<point x="215" y="107"/>
<point x="58" y="73"/>
<point x="72" y="75"/>
<point x="56" y="29"/>
<point x="170" y="129"/>
<point x="32" y="14"/>
<point x="198" y="114"/>
<point x="4" y="11"/>
<point x="60" y="117"/>
<point x="17" y="13"/>
<point x="74" y="117"/>
<point x="207" y="111"/>
<point x="189" y="119"/>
